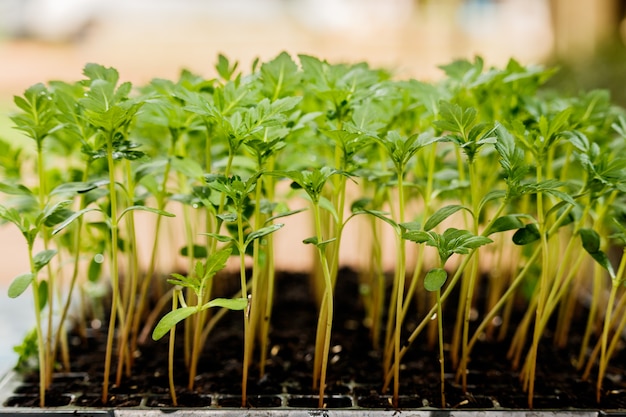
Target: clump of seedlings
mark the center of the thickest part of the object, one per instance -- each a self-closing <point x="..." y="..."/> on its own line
<point x="499" y="194"/>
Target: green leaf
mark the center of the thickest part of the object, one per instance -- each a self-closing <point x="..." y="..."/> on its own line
<point x="314" y="241"/>
<point x="43" y="294"/>
<point x="170" y="320"/>
<point x="327" y="205"/>
<point x="42" y="258"/>
<point x="262" y="232"/>
<point x="70" y="219"/>
<point x="419" y="236"/>
<point x="224" y="69"/>
<point x="590" y="240"/>
<point x="20" y="284"/>
<point x="220" y="238"/>
<point x="442" y="214"/>
<point x="57" y="213"/>
<point x="380" y="215"/>
<point x="15" y="189"/>
<point x="527" y="234"/>
<point x="95" y="268"/>
<point x="227" y="217"/>
<point x="198" y="251"/>
<point x="216" y="262"/>
<point x="601" y="258"/>
<point x="435" y="279"/>
<point x="148" y="209"/>
<point x="285" y="214"/>
<point x="505" y="223"/>
<point x="188" y="167"/>
<point x="228" y="303"/>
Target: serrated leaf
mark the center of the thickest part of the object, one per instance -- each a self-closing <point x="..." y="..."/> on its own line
<point x="442" y="214"/>
<point x="20" y="284"/>
<point x="170" y="320"/>
<point x="42" y="258"/>
<point x="435" y="279"/>
<point x="216" y="262"/>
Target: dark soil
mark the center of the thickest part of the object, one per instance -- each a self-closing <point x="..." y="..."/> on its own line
<point x="354" y="375"/>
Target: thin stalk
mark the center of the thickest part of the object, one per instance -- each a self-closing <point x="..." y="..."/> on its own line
<point x="246" y="320"/>
<point x="446" y="293"/>
<point x="441" y="353"/>
<point x="497" y="307"/>
<point x="473" y="273"/>
<point x="145" y="285"/>
<point x="401" y="277"/>
<point x="419" y="264"/>
<point x="543" y="293"/>
<point x="616" y="283"/>
<point x="270" y="278"/>
<point x="43" y="192"/>
<point x="114" y="269"/>
<point x="38" y="328"/>
<point x="328" y="311"/>
<point x="124" y="353"/>
<point x="170" y="354"/>
<point x="77" y="252"/>
<point x="614" y="340"/>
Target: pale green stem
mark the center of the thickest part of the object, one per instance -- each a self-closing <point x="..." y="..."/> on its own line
<point x="114" y="270"/>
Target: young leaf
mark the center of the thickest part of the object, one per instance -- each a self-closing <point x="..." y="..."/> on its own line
<point x="216" y="262"/>
<point x="505" y="223"/>
<point x="220" y="238"/>
<point x="170" y="320"/>
<point x="262" y="232"/>
<point x="70" y="219"/>
<point x="442" y="214"/>
<point x="198" y="251"/>
<point x="229" y="303"/>
<point x="601" y="258"/>
<point x="148" y="209"/>
<point x="527" y="234"/>
<point x="380" y="215"/>
<point x="20" y="284"/>
<point x="435" y="279"/>
<point x="320" y="245"/>
<point x="590" y="240"/>
<point x="42" y="258"/>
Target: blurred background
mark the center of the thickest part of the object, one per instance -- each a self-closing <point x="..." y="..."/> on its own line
<point x="41" y="40"/>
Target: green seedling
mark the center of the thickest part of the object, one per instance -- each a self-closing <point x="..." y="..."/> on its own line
<point x="198" y="282"/>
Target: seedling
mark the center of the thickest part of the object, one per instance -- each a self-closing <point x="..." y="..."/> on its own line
<point x="482" y="156"/>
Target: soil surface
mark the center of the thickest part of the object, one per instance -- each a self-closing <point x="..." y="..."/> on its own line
<point x="354" y="374"/>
